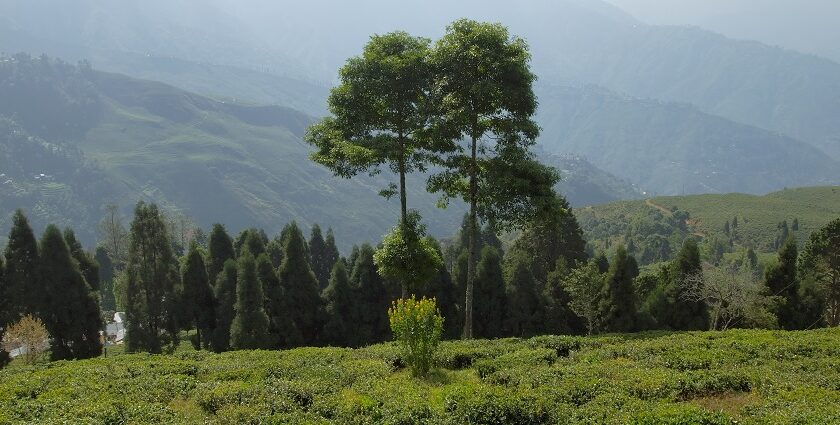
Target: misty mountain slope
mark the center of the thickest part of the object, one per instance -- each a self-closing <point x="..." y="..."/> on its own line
<point x="216" y="161"/>
<point x="674" y="148"/>
<point x="577" y="41"/>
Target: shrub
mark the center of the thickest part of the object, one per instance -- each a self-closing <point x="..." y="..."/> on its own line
<point x="417" y="327"/>
<point x="29" y="335"/>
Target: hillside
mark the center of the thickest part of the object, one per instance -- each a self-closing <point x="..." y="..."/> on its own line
<point x="572" y="41"/>
<point x="216" y="161"/>
<point x="664" y="222"/>
<point x="669" y="148"/>
<point x="737" y="376"/>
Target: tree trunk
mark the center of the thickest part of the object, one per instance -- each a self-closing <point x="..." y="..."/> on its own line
<point x="403" y="201"/>
<point x="471" y="263"/>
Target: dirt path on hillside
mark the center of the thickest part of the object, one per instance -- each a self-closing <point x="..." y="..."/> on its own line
<point x="664" y="210"/>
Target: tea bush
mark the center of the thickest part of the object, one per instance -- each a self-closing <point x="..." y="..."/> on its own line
<point x="737" y="376"/>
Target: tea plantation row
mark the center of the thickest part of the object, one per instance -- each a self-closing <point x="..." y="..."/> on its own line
<point x="739" y="376"/>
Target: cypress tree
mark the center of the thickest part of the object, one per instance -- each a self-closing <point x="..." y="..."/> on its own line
<point x="332" y="249"/>
<point x="107" y="298"/>
<point x="372" y="299"/>
<point x="280" y="329"/>
<point x="274" y="250"/>
<point x="219" y="251"/>
<point x="319" y="255"/>
<point x="198" y="304"/>
<point x="557" y="318"/>
<point x="249" y="329"/>
<point x="443" y="289"/>
<point x="151" y="276"/>
<point x="225" y="293"/>
<point x="351" y="260"/>
<point x="254" y="240"/>
<point x="601" y="262"/>
<point x="87" y="264"/>
<point x="523" y="301"/>
<point x="340" y="302"/>
<point x="782" y="281"/>
<point x="618" y="306"/>
<point x="489" y="295"/>
<point x="70" y="311"/>
<point x="300" y="286"/>
<point x="22" y="274"/>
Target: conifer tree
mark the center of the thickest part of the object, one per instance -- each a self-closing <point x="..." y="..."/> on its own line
<point x="274" y="250"/>
<point x="254" y="240"/>
<point x="151" y="276"/>
<point x="601" y="262"/>
<point x="22" y="273"/>
<point x="372" y="298"/>
<point x="490" y="295"/>
<point x="557" y="318"/>
<point x="87" y="264"/>
<point x="782" y="281"/>
<point x="300" y="286"/>
<point x="523" y="301"/>
<point x="332" y="248"/>
<point x="249" y="329"/>
<point x="280" y="327"/>
<point x="340" y="303"/>
<point x="618" y="306"/>
<point x="225" y="294"/>
<point x="107" y="297"/>
<point x="220" y="250"/>
<point x="198" y="303"/>
<point x="320" y="257"/>
<point x="442" y="288"/>
<point x="820" y="262"/>
<point x="70" y="310"/>
<point x="671" y="309"/>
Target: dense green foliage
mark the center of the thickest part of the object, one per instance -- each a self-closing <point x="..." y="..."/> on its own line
<point x="250" y="326"/>
<point x="197" y="306"/>
<point x="820" y="262"/>
<point x="657" y="228"/>
<point x="749" y="376"/>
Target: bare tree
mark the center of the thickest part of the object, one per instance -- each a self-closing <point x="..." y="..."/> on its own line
<point x="113" y="234"/>
<point x="731" y="293"/>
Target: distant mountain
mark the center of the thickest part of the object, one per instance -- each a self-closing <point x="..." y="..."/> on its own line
<point x="74" y="139"/>
<point x="673" y="148"/>
<point x="573" y="41"/>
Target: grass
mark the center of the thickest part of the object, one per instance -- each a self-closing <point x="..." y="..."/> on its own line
<point x="748" y="376"/>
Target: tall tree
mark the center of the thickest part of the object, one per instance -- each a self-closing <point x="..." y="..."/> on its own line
<point x="300" y="286"/>
<point x="279" y="324"/>
<point x="340" y="302"/>
<point x="249" y="329"/>
<point x="444" y="290"/>
<point x="490" y="297"/>
<point x="618" y="301"/>
<point x="220" y="250"/>
<point x="584" y="285"/>
<point x="557" y="318"/>
<point x="821" y="261"/>
<point x="70" y="310"/>
<point x="484" y="102"/>
<point x="523" y="301"/>
<point x="371" y="299"/>
<point x="151" y="276"/>
<point x="319" y="254"/>
<point x="379" y="113"/>
<point x="114" y="236"/>
<point x="552" y="235"/>
<point x="22" y="271"/>
<point x="332" y="248"/>
<point x="107" y="297"/>
<point x="224" y="291"/>
<point x="198" y="304"/>
<point x="782" y="281"/>
<point x="87" y="264"/>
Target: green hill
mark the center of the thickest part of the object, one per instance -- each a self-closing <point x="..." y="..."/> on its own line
<point x="737" y="376"/>
<point x="215" y="161"/>
<point x="661" y="224"/>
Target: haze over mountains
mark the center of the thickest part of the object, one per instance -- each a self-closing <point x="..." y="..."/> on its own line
<point x="670" y="110"/>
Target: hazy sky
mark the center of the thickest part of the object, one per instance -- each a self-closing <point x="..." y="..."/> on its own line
<point x="810" y="26"/>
